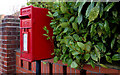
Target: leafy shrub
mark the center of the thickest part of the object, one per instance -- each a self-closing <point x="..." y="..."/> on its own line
<point x="85" y="32"/>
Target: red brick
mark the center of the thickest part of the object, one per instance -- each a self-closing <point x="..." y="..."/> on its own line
<point x="8" y="46"/>
<point x="8" y="51"/>
<point x="25" y="64"/>
<point x="9" y="71"/>
<point x="9" y="63"/>
<point x="33" y="66"/>
<point x="24" y="70"/>
<point x="50" y="60"/>
<point x="6" y="33"/>
<point x="9" y="55"/>
<point x="15" y="33"/>
<point x="9" y="67"/>
<point x="17" y="71"/>
<point x="53" y="69"/>
<point x="18" y="53"/>
<point x="77" y="71"/>
<point x="6" y="42"/>
<point x="18" y="29"/>
<point x="89" y="67"/>
<point x="42" y="67"/>
<point x="20" y="69"/>
<point x="47" y="67"/>
<point x="9" y="16"/>
<point x="8" y="29"/>
<point x="1" y="28"/>
<point x="87" y="72"/>
<point x="57" y="68"/>
<point x="61" y="69"/>
<point x="0" y="33"/>
<point x="73" y="70"/>
<point x="9" y="20"/>
<point x="119" y="72"/>
<point x="105" y="70"/>
<point x="68" y="69"/>
<point x="9" y="37"/>
<point x="11" y="42"/>
<point x="8" y="59"/>
<point x="18" y="61"/>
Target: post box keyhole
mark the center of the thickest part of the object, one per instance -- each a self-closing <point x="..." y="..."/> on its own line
<point x="25" y="29"/>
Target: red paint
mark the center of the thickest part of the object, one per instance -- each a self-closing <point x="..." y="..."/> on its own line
<point x="32" y="22"/>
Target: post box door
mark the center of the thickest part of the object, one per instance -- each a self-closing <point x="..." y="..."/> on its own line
<point x="26" y="43"/>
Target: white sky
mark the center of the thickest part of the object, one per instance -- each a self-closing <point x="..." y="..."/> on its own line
<point x="9" y="7"/>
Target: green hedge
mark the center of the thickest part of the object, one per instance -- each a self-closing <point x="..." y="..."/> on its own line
<point x="85" y="32"/>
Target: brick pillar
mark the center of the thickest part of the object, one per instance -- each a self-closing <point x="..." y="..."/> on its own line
<point x="9" y="41"/>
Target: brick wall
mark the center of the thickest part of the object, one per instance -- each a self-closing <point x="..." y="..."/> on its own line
<point x="10" y="61"/>
<point x="9" y="35"/>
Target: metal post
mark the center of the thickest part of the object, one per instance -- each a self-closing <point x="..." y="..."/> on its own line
<point x="38" y="67"/>
<point x="82" y="72"/>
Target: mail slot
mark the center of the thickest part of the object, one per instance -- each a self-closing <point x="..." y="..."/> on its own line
<point x="33" y="45"/>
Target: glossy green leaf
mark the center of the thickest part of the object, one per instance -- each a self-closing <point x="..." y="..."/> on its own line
<point x="103" y="66"/>
<point x="48" y="38"/>
<point x="106" y="26"/>
<point x="71" y="19"/>
<point x="69" y="62"/>
<point x="100" y="32"/>
<point x="94" y="57"/>
<point x="65" y="30"/>
<point x="115" y="13"/>
<point x="94" y="13"/>
<point x="92" y="64"/>
<point x="63" y="9"/>
<point x="81" y="45"/>
<point x="101" y="47"/>
<point x="87" y="47"/>
<point x="101" y="25"/>
<point x="101" y="10"/>
<point x="118" y="50"/>
<point x="45" y="34"/>
<point x="81" y="6"/>
<point x="55" y="14"/>
<point x="109" y="6"/>
<point x="74" y="64"/>
<point x="44" y="62"/>
<point x="55" y="59"/>
<point x="75" y="53"/>
<point x="116" y="57"/>
<point x="80" y="18"/>
<point x="50" y="14"/>
<point x="69" y="37"/>
<point x="114" y="29"/>
<point x="89" y="43"/>
<point x="108" y="59"/>
<point x="76" y="37"/>
<point x="52" y="53"/>
<point x="112" y="43"/>
<point x="74" y="25"/>
<point x="64" y="24"/>
<point x="89" y="9"/>
<point x="86" y="57"/>
<point x="85" y="37"/>
<point x="97" y="52"/>
<point x="108" y="53"/>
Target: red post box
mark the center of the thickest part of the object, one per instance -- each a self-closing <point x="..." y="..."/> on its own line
<point x="33" y="45"/>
